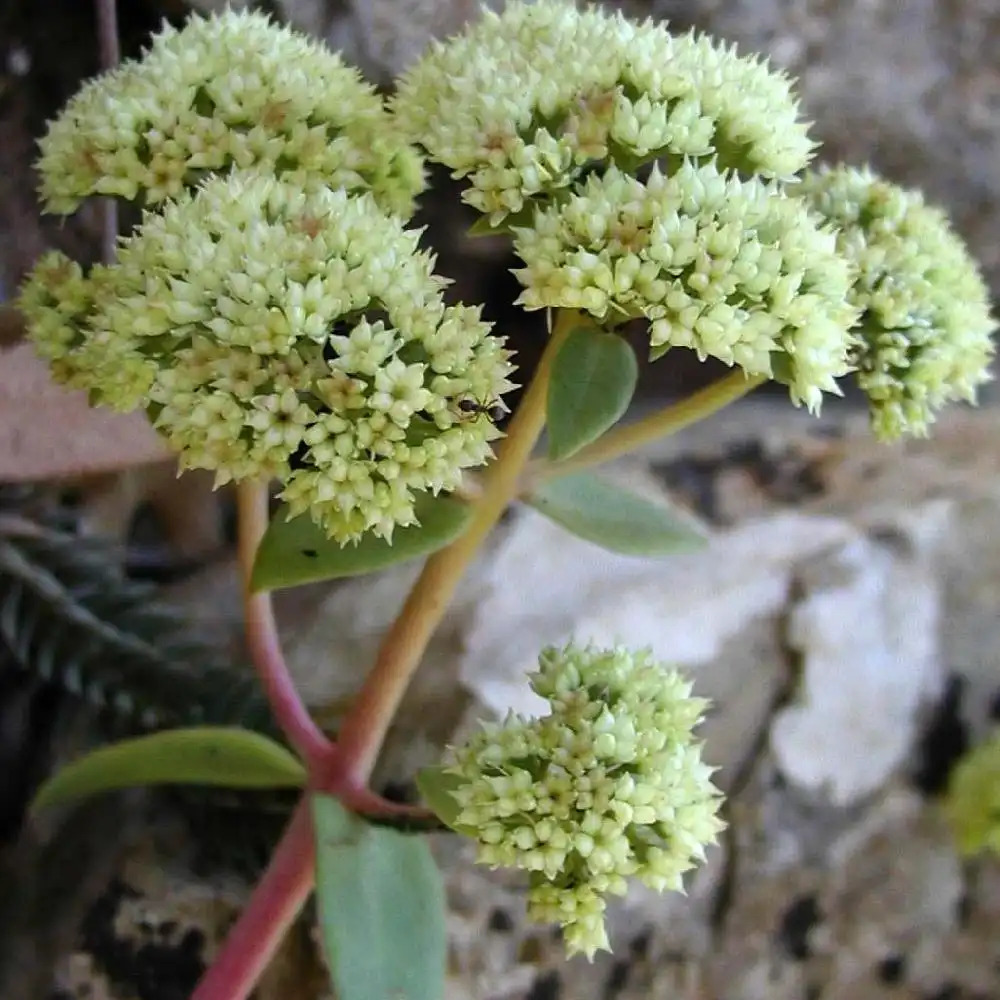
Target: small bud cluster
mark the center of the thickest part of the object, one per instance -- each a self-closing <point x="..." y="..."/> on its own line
<point x="58" y="301"/>
<point x="609" y="785"/>
<point x="923" y="337"/>
<point x="273" y="331"/>
<point x="525" y="102"/>
<point x="733" y="269"/>
<point x="231" y="90"/>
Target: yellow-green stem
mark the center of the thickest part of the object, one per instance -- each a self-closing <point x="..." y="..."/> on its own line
<point x="627" y="438"/>
<point x="364" y="729"/>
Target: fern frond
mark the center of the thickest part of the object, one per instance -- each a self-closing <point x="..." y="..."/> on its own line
<point x="70" y="616"/>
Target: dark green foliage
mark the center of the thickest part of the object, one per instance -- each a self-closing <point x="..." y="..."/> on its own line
<point x="71" y="617"/>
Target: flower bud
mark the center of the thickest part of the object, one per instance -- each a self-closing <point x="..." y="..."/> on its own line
<point x="527" y="101"/>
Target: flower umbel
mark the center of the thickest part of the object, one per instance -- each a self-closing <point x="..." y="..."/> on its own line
<point x="231" y="90"/>
<point x="609" y="785"/>
<point x="278" y="333"/>
<point x="733" y="269"/>
<point x="923" y="336"/>
<point x="525" y="101"/>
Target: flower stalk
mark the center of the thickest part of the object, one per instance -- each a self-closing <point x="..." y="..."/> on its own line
<point x="627" y="438"/>
<point x="262" y="634"/>
<point x="364" y="729"/>
<point x="274" y="905"/>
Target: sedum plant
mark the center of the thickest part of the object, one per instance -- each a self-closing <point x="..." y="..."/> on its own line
<point x="280" y="322"/>
<point x="526" y="103"/>
<point x="341" y="374"/>
<point x="732" y="269"/>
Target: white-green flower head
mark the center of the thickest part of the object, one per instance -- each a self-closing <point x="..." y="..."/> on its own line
<point x="229" y="90"/>
<point x="733" y="269"/>
<point x="59" y="303"/>
<point x="609" y="785"/>
<point x="302" y="335"/>
<point x="524" y="102"/>
<point x="923" y="337"/>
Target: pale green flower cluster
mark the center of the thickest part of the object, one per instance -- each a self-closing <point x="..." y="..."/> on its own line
<point x="923" y="337"/>
<point x="648" y="175"/>
<point x="609" y="785"/>
<point x="526" y="102"/>
<point x="973" y="802"/>
<point x="273" y="331"/>
<point x="58" y="302"/>
<point x="733" y="269"/>
<point x="231" y="90"/>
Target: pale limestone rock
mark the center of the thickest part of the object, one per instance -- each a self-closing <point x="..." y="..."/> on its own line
<point x="867" y="629"/>
<point x="713" y="613"/>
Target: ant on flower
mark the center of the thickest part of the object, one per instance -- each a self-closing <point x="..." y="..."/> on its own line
<point x="471" y="408"/>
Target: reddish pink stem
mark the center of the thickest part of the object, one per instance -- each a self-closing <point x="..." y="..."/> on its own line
<point x="355" y="796"/>
<point x="272" y="908"/>
<point x="265" y="650"/>
<point x="262" y="636"/>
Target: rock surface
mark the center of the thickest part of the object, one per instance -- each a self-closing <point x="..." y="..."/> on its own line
<point x="866" y="628"/>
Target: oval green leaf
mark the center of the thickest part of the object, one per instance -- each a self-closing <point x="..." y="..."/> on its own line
<point x="297" y="551"/>
<point x="436" y="785"/>
<point x="381" y="908"/>
<point x="201" y="755"/>
<point x="593" y="379"/>
<point x="600" y="511"/>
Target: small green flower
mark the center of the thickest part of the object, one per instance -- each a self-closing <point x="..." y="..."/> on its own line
<point x="923" y="337"/>
<point x="300" y="335"/>
<point x="608" y="786"/>
<point x="973" y="802"/>
<point x="525" y="102"/>
<point x="733" y="269"/>
<point x="229" y="90"/>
